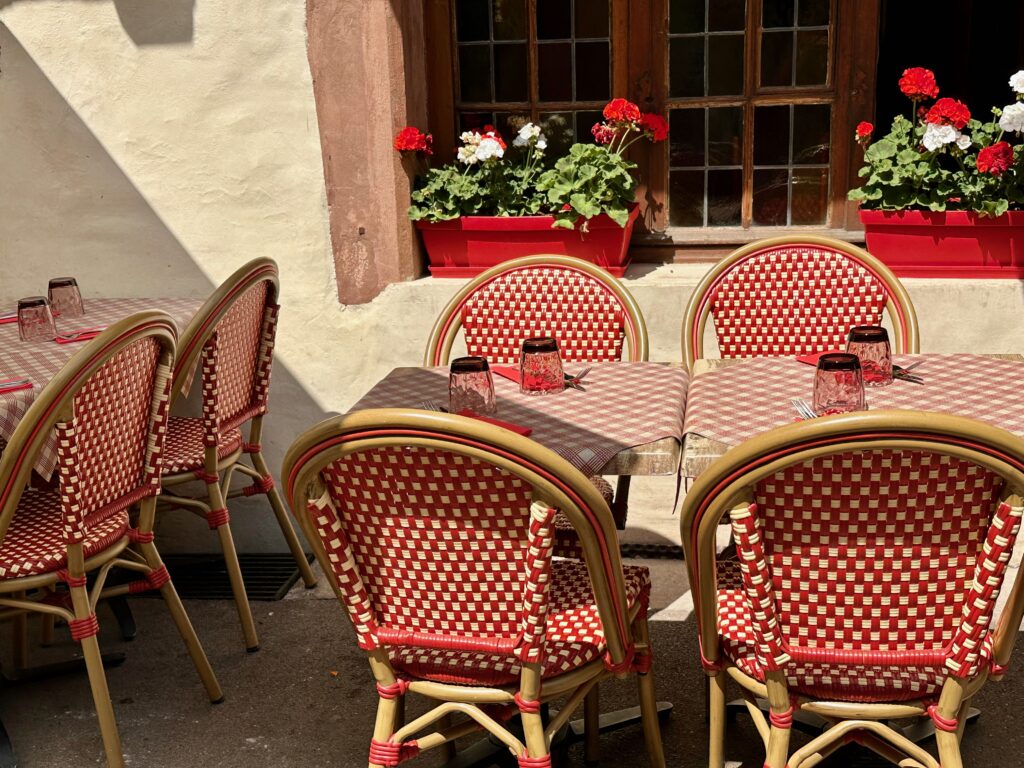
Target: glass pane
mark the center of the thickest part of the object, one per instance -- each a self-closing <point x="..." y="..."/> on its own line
<point x="471" y="21"/>
<point x="811" y="124"/>
<point x="509" y="123"/>
<point x="725" y="136"/>
<point x="686" y="198"/>
<point x="554" y="19"/>
<point x="771" y="135"/>
<point x="593" y="71"/>
<point x="727" y="15"/>
<point x="686" y="66"/>
<point x="510" y="77"/>
<point x="591" y="18"/>
<point x="810" y="195"/>
<point x="474" y="72"/>
<point x="685" y="16"/>
<point x="777" y="13"/>
<point x="812" y="57"/>
<point x="558" y="130"/>
<point x="725" y="65"/>
<point x="686" y="137"/>
<point x="554" y="71"/>
<point x="474" y="121"/>
<point x="584" y="122"/>
<point x="813" y="13"/>
<point x="509" y="19"/>
<point x="776" y="59"/>
<point x="771" y="197"/>
<point x="725" y="190"/>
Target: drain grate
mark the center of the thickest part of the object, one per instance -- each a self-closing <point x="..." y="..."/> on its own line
<point x="268" y="576"/>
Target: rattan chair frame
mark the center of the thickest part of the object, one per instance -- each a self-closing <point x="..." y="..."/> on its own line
<point x="556" y="484"/>
<point x="218" y="472"/>
<point x="898" y="303"/>
<point x="728" y="483"/>
<point x="135" y="551"/>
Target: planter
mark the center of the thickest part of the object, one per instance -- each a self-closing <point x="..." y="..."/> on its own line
<point x="950" y="244"/>
<point x="467" y="246"/>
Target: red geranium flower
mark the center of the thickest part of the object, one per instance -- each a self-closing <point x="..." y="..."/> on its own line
<point x="919" y="83"/>
<point x="603" y="133"/>
<point x="410" y="139"/>
<point x="947" y="111"/>
<point x="864" y="131"/>
<point x="490" y="132"/>
<point x="995" y="159"/>
<point x="621" y="111"/>
<point x="655" y="126"/>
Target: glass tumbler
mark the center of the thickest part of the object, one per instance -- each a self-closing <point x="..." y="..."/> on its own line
<point x="838" y="384"/>
<point x="540" y="367"/>
<point x="35" y="321"/>
<point x="65" y="298"/>
<point x="870" y="343"/>
<point x="470" y="386"/>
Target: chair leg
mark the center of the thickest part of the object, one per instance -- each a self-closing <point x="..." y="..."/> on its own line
<point x="592" y="726"/>
<point x="778" y="748"/>
<point x="648" y="701"/>
<point x="717" y="717"/>
<point x="447" y="749"/>
<point x="20" y="637"/>
<point x="948" y="742"/>
<point x="285" y="523"/>
<point x="46" y="630"/>
<point x="384" y="726"/>
<point x="533" y="734"/>
<point x="227" y="546"/>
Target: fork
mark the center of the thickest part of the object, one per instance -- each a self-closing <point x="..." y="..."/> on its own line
<point x="803" y="408"/>
<point x="432" y="405"/>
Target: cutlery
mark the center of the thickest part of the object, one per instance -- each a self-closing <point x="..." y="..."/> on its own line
<point x="82" y="335"/>
<point x="803" y="408"/>
<point x="13" y="385"/>
<point x="432" y="405"/>
<point x="580" y="375"/>
<point x="900" y="376"/>
<point x="910" y="367"/>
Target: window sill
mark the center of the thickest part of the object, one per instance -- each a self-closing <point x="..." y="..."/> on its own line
<point x="713" y="236"/>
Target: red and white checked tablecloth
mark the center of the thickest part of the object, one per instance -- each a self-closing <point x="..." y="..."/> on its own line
<point x="39" y="361"/>
<point x="625" y="405"/>
<point x="735" y="403"/>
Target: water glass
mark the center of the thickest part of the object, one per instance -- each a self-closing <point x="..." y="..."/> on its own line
<point x="838" y="384"/>
<point x="35" y="320"/>
<point x="470" y="386"/>
<point x="65" y="298"/>
<point x="540" y="367"/>
<point x="870" y="343"/>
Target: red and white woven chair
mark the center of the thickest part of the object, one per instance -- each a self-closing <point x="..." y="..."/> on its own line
<point x="229" y="345"/>
<point x="784" y="296"/>
<point x="436" y="531"/>
<point x="108" y="407"/>
<point x="590" y="313"/>
<point x="872" y="548"/>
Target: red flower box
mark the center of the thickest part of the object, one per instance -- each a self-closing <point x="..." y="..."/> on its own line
<point x="467" y="246"/>
<point x="949" y="244"/>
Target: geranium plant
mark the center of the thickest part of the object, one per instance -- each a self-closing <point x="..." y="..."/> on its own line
<point x="491" y="178"/>
<point x="941" y="158"/>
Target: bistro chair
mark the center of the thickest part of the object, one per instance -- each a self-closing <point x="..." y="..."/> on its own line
<point x="784" y="296"/>
<point x="108" y="410"/>
<point x="436" y="532"/>
<point x="229" y="345"/>
<point x="871" y="550"/>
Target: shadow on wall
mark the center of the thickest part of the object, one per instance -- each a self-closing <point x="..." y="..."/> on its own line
<point x="149" y="22"/>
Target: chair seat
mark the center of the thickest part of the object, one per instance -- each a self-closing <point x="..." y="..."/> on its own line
<point x="834" y="682"/>
<point x="184" y="450"/>
<point x="34" y="542"/>
<point x="574" y="635"/>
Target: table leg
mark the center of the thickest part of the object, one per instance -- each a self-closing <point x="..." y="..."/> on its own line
<point x="620" y="502"/>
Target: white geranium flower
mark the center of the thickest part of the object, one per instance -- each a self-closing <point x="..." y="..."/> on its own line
<point x="938" y="136"/>
<point x="470" y="137"/>
<point x="467" y="154"/>
<point x="542" y="143"/>
<point x="963" y="141"/>
<point x="1017" y="81"/>
<point x="526" y="134"/>
<point x="487" y="149"/>
<point x="1013" y="118"/>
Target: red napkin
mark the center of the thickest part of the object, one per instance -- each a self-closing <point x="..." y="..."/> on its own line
<point x="509" y="372"/>
<point x="813" y="359"/>
<point x="12" y="318"/>
<point x="524" y="431"/>
<point x="14" y="385"/>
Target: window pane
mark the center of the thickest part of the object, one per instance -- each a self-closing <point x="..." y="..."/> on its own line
<point x="727" y="15"/>
<point x="776" y="59"/>
<point x="686" y="137"/>
<point x="509" y="19"/>
<point x="771" y="135"/>
<point x="810" y="195"/>
<point x="771" y="197"/>
<point x="509" y="123"/>
<point x="686" y="198"/>
<point x="812" y="57"/>
<point x="725" y="190"/>
<point x="558" y="130"/>
<point x="474" y="73"/>
<point x="686" y="66"/>
<point x="585" y="120"/>
<point x="813" y="13"/>
<point x="591" y="18"/>
<point x="725" y="136"/>
<point x="777" y="13"/>
<point x="725" y="65"/>
<point x="554" y="19"/>
<point x="593" y="71"/>
<point x="510" y="76"/>
<point x="811" y="125"/>
<point x="471" y="20"/>
<point x="685" y="16"/>
<point x="554" y="71"/>
<point x="474" y="121"/>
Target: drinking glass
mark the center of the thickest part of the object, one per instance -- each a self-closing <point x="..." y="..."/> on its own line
<point x="870" y="343"/>
<point x="35" y="321"/>
<point x="838" y="384"/>
<point x="470" y="386"/>
<point x="540" y="367"/>
<point x="65" y="298"/>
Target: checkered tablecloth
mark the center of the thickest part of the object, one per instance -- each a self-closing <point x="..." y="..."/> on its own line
<point x="39" y="361"/>
<point x="733" y="404"/>
<point x="625" y="405"/>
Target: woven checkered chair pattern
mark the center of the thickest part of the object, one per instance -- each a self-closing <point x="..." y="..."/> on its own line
<point x="442" y="556"/>
<point x="229" y="345"/>
<point x="867" y="576"/>
<point x="109" y="409"/>
<point x="781" y="297"/>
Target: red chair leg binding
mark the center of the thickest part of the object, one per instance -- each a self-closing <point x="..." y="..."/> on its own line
<point x="215" y="518"/>
<point x="388" y="753"/>
<point x="942" y="723"/>
<point x="83" y="628"/>
<point x="153" y="581"/>
<point x="535" y="762"/>
<point x="263" y="485"/>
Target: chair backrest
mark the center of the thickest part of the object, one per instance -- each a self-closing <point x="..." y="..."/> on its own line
<point x="869" y="538"/>
<point x="584" y="308"/>
<point x="790" y="296"/>
<point x="230" y="343"/>
<point x="108" y="408"/>
<point x="436" y="530"/>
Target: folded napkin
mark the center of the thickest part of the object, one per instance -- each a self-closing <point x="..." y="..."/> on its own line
<point x="524" y="431"/>
<point x="13" y="385"/>
<point x="813" y="359"/>
<point x="510" y="372"/>
<point x="75" y="336"/>
<point x="10" y="317"/>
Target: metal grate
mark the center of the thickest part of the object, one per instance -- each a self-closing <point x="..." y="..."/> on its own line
<point x="268" y="576"/>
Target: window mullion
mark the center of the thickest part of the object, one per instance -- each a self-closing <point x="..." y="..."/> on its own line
<point x="532" y="54"/>
<point x="749" y="89"/>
